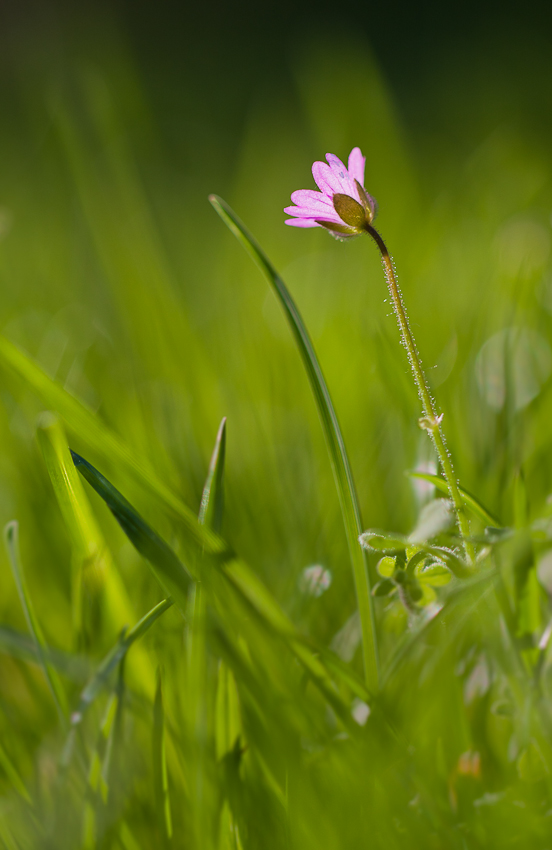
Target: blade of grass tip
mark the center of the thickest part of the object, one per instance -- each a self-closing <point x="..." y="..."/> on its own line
<point x="91" y="554"/>
<point x="469" y="500"/>
<point x="167" y="567"/>
<point x="99" y="679"/>
<point x="160" y="773"/>
<point x="11" y="537"/>
<point x="332" y="432"/>
<point x="212" y="501"/>
<point x="84" y="423"/>
<point x="115" y="655"/>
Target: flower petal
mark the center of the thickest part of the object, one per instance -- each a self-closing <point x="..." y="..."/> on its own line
<point x="313" y="212"/>
<point x="346" y="182"/>
<point x="302" y="222"/>
<point x="325" y="179"/>
<point x="356" y="165"/>
<point x="309" y="197"/>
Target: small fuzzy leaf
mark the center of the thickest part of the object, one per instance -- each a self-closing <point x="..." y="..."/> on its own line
<point x="380" y="541"/>
<point x="436" y="575"/>
<point x="386" y="566"/>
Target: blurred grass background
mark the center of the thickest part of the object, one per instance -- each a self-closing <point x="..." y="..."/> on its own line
<point x="118" y="119"/>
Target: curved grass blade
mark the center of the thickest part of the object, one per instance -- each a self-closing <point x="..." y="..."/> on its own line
<point x="168" y="569"/>
<point x="11" y="537"/>
<point x="470" y="501"/>
<point x="332" y="432"/>
<point x="114" y="657"/>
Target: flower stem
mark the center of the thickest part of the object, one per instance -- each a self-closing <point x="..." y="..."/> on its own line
<point x="431" y="421"/>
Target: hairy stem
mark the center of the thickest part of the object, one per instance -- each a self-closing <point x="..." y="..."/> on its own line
<point x="431" y="421"/>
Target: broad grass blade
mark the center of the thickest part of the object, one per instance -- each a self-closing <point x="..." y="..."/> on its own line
<point x="470" y="501"/>
<point x="168" y="569"/>
<point x="11" y="536"/>
<point x="332" y="432"/>
<point x="82" y="421"/>
<point x="91" y="554"/>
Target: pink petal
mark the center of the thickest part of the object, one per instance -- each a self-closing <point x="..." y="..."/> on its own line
<point x="326" y="180"/>
<point x="301" y="222"/>
<point x="308" y="197"/>
<point x="347" y="185"/>
<point x="356" y="165"/>
<point x="325" y="213"/>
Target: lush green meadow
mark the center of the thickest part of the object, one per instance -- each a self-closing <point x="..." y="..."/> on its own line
<point x="239" y="715"/>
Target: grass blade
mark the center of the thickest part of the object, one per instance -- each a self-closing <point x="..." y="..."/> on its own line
<point x="82" y="421"/>
<point x="114" y="657"/>
<point x="168" y="569"/>
<point x="332" y="432"/>
<point x="91" y="554"/>
<point x="11" y="537"/>
<point x="212" y="501"/>
<point x="238" y="575"/>
<point x="470" y="501"/>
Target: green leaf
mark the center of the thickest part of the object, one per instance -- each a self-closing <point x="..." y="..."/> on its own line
<point x="380" y="541"/>
<point x="436" y="575"/>
<point x="332" y="432"/>
<point x="386" y="566"/>
<point x="11" y="537"/>
<point x="469" y="500"/>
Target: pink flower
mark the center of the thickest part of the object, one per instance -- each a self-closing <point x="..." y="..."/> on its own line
<point x="342" y="205"/>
